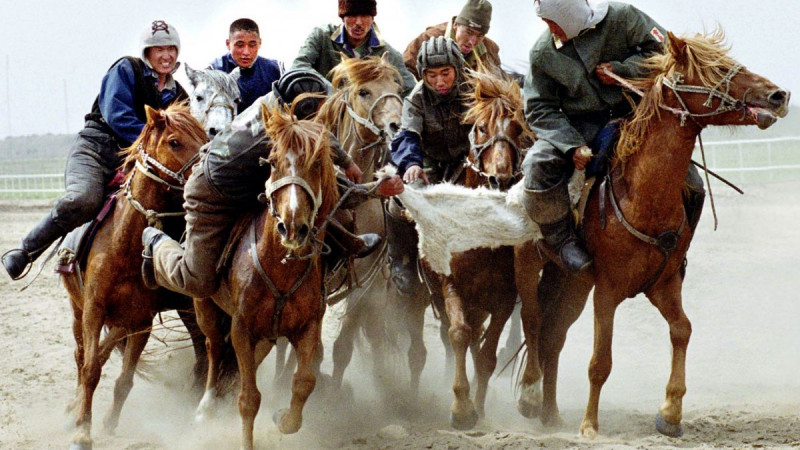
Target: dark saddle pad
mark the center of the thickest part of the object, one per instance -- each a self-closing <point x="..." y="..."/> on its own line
<point x="75" y="247"/>
<point x="603" y="149"/>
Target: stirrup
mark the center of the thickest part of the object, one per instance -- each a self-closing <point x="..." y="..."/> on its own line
<point x="28" y="265"/>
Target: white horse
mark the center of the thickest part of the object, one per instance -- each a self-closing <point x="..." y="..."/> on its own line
<point x="214" y="97"/>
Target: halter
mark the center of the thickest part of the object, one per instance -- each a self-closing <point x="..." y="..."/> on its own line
<point x="369" y="123"/>
<point x="726" y="101"/>
<point x="476" y="150"/>
<point x="145" y="164"/>
<point x="212" y="103"/>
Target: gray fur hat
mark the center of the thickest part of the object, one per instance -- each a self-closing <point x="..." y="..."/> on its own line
<point x="439" y="51"/>
<point x="476" y="14"/>
<point x="157" y="34"/>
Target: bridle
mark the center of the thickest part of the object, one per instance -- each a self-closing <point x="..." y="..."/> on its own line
<point x="476" y="151"/>
<point x="226" y="102"/>
<point x="369" y="123"/>
<point x="727" y="102"/>
<point x="147" y="165"/>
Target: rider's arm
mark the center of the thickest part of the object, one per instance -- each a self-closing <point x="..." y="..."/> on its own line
<point x="644" y="36"/>
<point x="116" y="101"/>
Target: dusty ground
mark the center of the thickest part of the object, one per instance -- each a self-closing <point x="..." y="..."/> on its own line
<point x="742" y="375"/>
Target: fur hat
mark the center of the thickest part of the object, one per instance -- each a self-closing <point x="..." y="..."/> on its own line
<point x="157" y="34"/>
<point x="476" y="14"/>
<point x="358" y="8"/>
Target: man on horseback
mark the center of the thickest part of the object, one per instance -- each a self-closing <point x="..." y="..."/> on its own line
<point x="569" y="99"/>
<point x="469" y="30"/>
<point x="116" y="119"/>
<point x="228" y="181"/>
<point x="432" y="142"/>
<point x="356" y="37"/>
<point x="256" y="73"/>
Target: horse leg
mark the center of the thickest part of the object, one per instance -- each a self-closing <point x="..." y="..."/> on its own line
<point x="343" y="346"/>
<point x="207" y="314"/>
<point x="514" y="338"/>
<point x="526" y="275"/>
<point x="605" y="306"/>
<point x="133" y="350"/>
<point x="462" y="411"/>
<point x="289" y="421"/>
<point x="487" y="356"/>
<point x="200" y="369"/>
<point x="249" y="395"/>
<point x="562" y="298"/>
<point x="77" y="334"/>
<point x="417" y="353"/>
<point x="283" y="366"/>
<point x="92" y="318"/>
<point x="668" y="301"/>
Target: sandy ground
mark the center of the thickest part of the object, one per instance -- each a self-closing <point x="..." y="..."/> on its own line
<point x="742" y="375"/>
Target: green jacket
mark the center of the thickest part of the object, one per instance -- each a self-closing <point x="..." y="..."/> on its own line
<point x="321" y="52"/>
<point x="565" y="103"/>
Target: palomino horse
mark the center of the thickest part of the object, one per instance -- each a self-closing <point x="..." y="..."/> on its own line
<point x="108" y="291"/>
<point x="364" y="113"/>
<point x="274" y="285"/>
<point x="482" y="283"/>
<point x="635" y="222"/>
<point x="214" y="97"/>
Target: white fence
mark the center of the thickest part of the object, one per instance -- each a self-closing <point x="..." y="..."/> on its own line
<point x="752" y="160"/>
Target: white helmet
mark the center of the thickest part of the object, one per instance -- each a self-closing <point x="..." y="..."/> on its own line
<point x="158" y="34"/>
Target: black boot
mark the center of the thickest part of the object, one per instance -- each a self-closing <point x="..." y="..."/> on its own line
<point x="402" y="250"/>
<point x="150" y="237"/>
<point x="18" y="261"/>
<point x="693" y="199"/>
<point x="350" y="244"/>
<point x="550" y="209"/>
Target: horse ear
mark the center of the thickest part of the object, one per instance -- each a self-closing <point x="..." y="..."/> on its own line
<point x="385" y="58"/>
<point x="235" y="74"/>
<point x="154" y="116"/>
<point x="265" y="113"/>
<point x="677" y="47"/>
<point x="192" y="74"/>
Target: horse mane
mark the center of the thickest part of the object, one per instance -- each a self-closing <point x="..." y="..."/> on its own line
<point x="310" y="142"/>
<point x="222" y="82"/>
<point x="495" y="96"/>
<point x="178" y="116"/>
<point x="707" y="59"/>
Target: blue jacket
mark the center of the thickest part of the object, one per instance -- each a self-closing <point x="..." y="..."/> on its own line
<point x="117" y="104"/>
<point x="255" y="81"/>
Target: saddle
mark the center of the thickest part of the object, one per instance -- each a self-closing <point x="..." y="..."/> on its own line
<point x="74" y="250"/>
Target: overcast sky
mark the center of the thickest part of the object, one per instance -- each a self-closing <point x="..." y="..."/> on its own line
<point x="55" y="52"/>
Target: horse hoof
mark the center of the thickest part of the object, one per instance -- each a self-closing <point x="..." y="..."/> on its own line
<point x="529" y="410"/>
<point x="552" y="421"/>
<point x="277" y="419"/>
<point x="464" y="422"/>
<point x="674" y="430"/>
<point x="80" y="446"/>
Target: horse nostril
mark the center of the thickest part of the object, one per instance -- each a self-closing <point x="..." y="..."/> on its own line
<point x="494" y="183"/>
<point x="302" y="232"/>
<point x="212" y="132"/>
<point x="778" y="97"/>
<point x="281" y="229"/>
<point x="394" y="127"/>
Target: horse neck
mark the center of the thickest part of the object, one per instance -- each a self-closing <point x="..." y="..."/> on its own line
<point x="653" y="178"/>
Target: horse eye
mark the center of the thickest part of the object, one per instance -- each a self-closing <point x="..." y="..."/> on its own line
<point x="482" y="128"/>
<point x="174" y="143"/>
<point x="199" y="98"/>
<point x="363" y="93"/>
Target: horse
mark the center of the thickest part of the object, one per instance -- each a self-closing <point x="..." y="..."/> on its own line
<point x="635" y="221"/>
<point x="364" y="113"/>
<point x="108" y="291"/>
<point x="273" y="287"/>
<point x="214" y="97"/>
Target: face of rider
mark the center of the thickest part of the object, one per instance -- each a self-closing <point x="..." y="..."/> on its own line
<point x="162" y="58"/>
<point x="441" y="78"/>
<point x="244" y="46"/>
<point x="556" y="30"/>
<point x="357" y="28"/>
<point x="467" y="38"/>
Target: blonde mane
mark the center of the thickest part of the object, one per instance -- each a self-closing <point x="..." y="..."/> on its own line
<point x="707" y="60"/>
<point x="495" y="97"/>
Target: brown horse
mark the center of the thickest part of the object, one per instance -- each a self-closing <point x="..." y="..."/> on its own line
<point x="483" y="283"/>
<point x="109" y="290"/>
<point x="638" y="235"/>
<point x="364" y="113"/>
<point x="274" y="285"/>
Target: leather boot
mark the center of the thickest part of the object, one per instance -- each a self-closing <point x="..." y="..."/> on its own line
<point x="693" y="199"/>
<point x="358" y="246"/>
<point x="550" y="209"/>
<point x="402" y="241"/>
<point x="18" y="261"/>
<point x="150" y="237"/>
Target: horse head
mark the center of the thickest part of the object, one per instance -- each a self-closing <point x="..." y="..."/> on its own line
<point x="499" y="132"/>
<point x="365" y="108"/>
<point x="302" y="186"/>
<point x="214" y="97"/>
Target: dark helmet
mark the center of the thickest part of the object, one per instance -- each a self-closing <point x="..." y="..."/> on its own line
<point x="437" y="52"/>
<point x="300" y="81"/>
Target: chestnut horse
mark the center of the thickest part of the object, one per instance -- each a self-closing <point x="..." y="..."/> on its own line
<point x="638" y="236"/>
<point x="109" y="290"/>
<point x="274" y="286"/>
<point x="364" y="113"/>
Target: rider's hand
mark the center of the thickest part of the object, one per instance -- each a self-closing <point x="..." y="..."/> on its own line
<point x="582" y="156"/>
<point x="414" y="174"/>
<point x="353" y="173"/>
<point x="391" y="186"/>
<point x="602" y="76"/>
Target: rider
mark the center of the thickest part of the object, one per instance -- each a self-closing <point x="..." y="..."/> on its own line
<point x="469" y="30"/>
<point x="432" y="142"/>
<point x="357" y="36"/>
<point x="116" y="119"/>
<point x="227" y="182"/>
<point x="569" y="100"/>
<point x="256" y="73"/>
